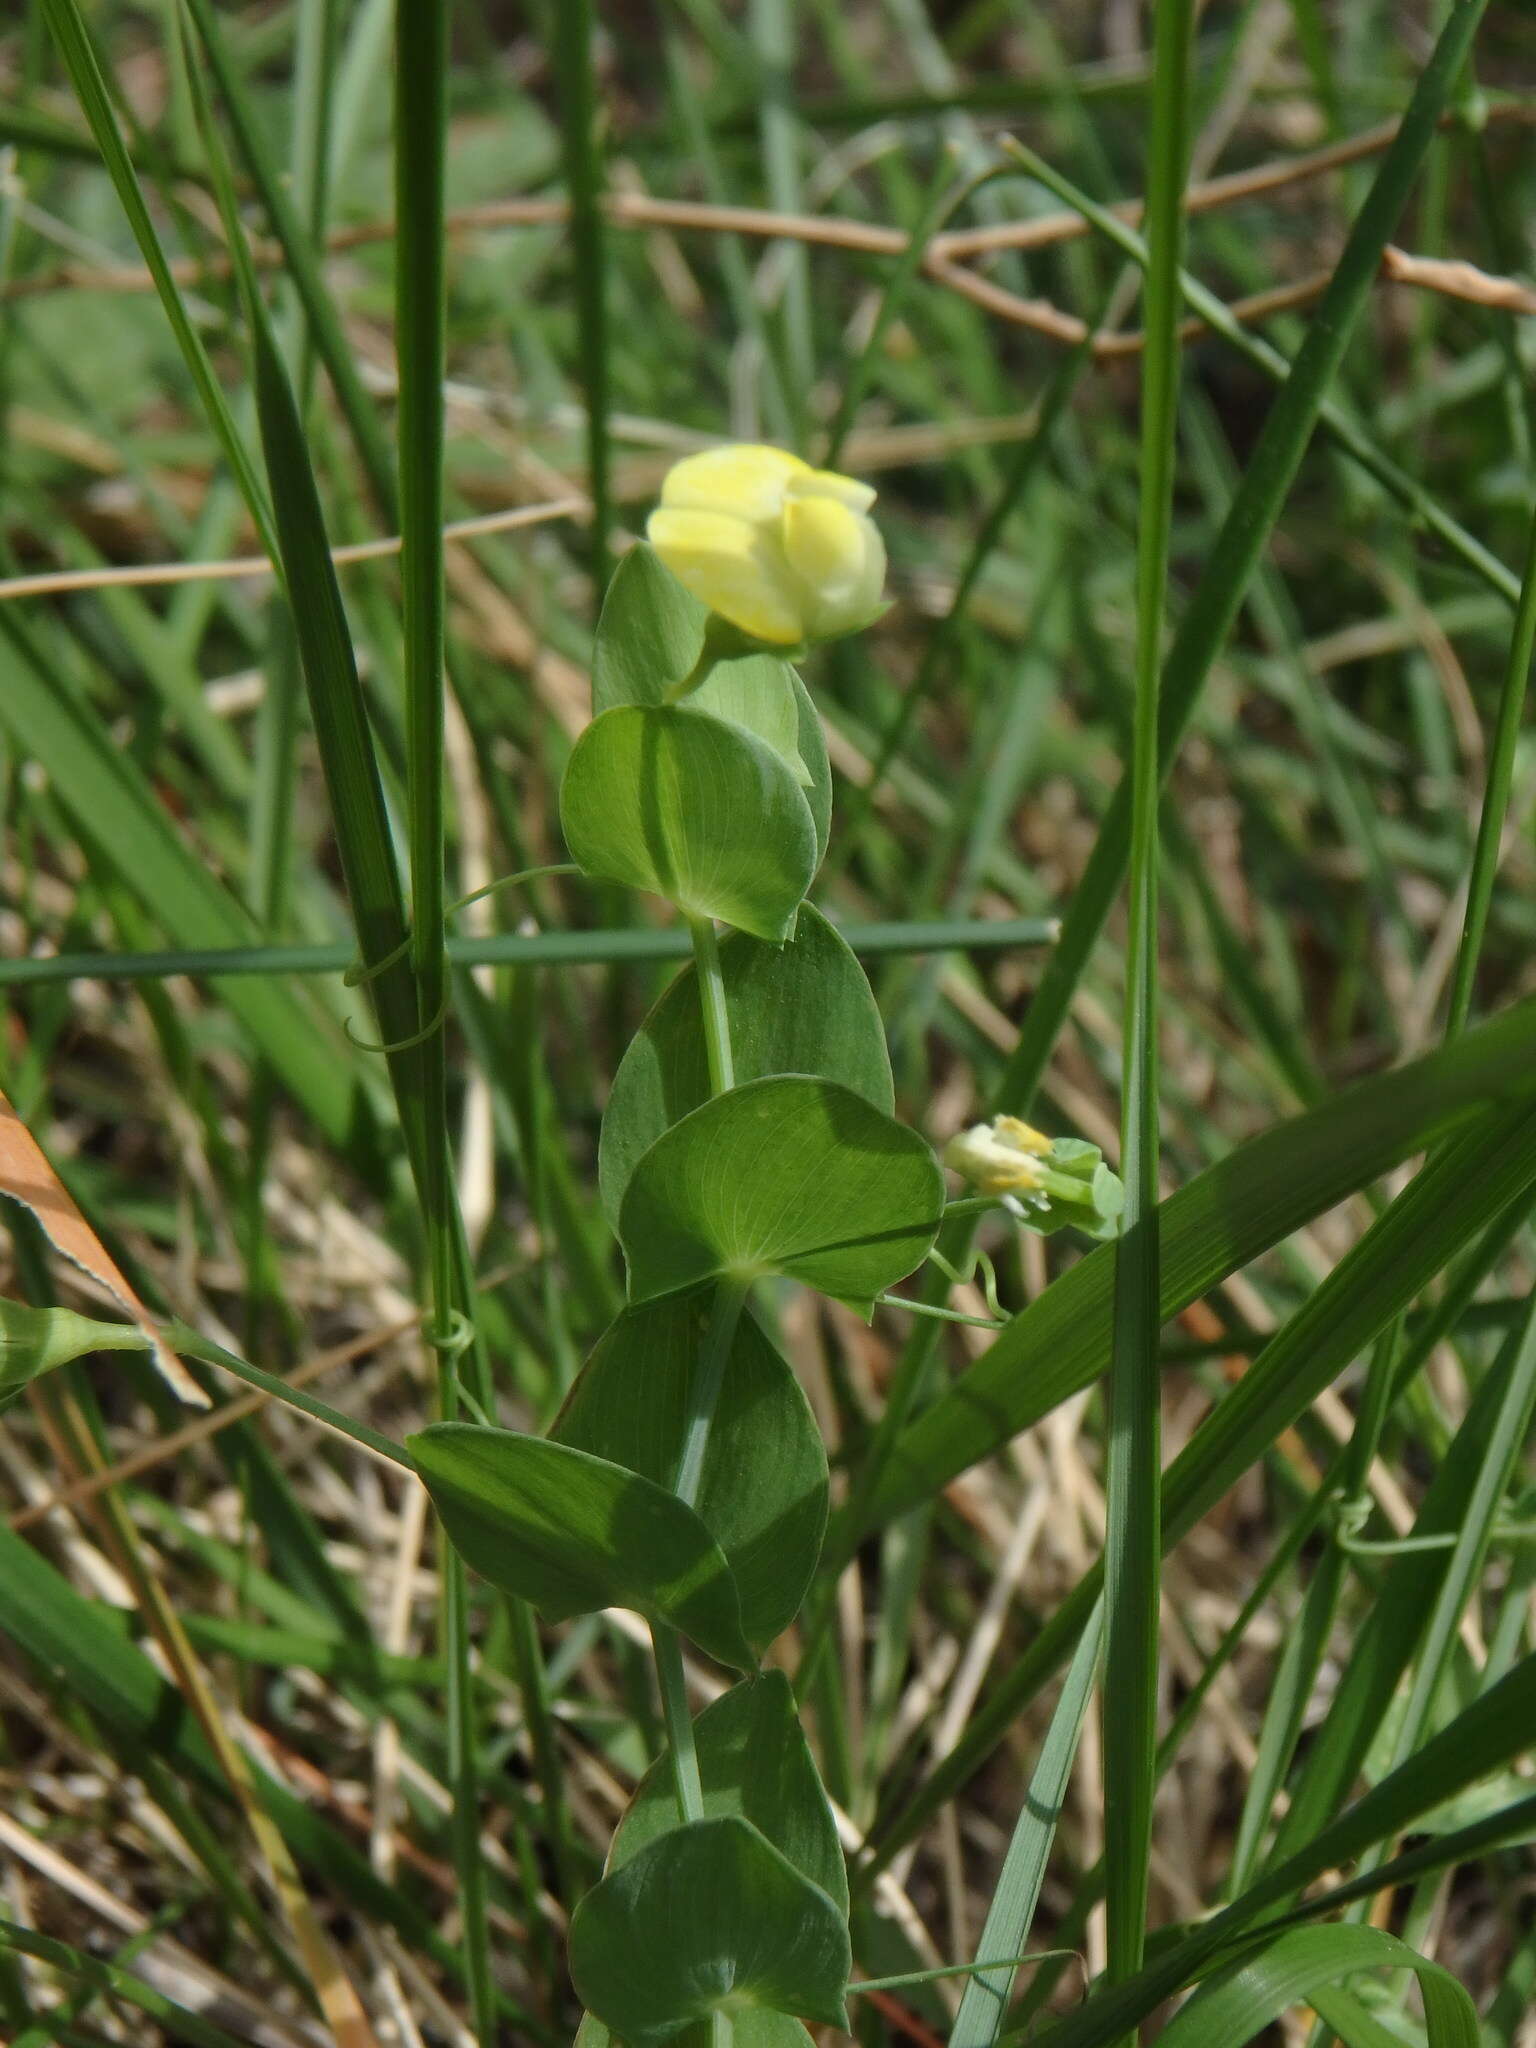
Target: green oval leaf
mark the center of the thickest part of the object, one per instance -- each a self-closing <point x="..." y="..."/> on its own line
<point x="649" y="633"/>
<point x="571" y="1533"/>
<point x="790" y="1175"/>
<point x="755" y="2026"/>
<point x="698" y="811"/>
<point x="649" y="638"/>
<point x="763" y="1491"/>
<point x="754" y="1762"/>
<point x="708" y="1918"/>
<point x="801" y="1008"/>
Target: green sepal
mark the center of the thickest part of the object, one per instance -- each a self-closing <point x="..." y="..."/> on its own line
<point x="37" y="1340"/>
<point x="1080" y="1190"/>
<point x="650" y="636"/>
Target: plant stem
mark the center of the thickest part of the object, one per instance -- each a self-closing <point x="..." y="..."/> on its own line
<point x="699" y="674"/>
<point x="513" y="949"/>
<point x="182" y="1338"/>
<point x="704" y="1391"/>
<point x="584" y="180"/>
<point x="1133" y="1511"/>
<point x="717" y="1028"/>
<point x="1501" y="769"/>
<point x="730" y="1298"/>
<point x="674" y="1708"/>
<point x="421" y="119"/>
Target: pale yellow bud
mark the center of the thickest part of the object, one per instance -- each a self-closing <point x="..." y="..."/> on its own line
<point x="999" y="1158"/>
<point x="784" y="552"/>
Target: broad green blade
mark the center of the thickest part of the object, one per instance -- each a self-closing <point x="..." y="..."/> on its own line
<point x="1210" y="1229"/>
<point x="572" y="1533"/>
<point x="800" y="1008"/>
<point x="763" y="1487"/>
<point x="704" y="1918"/>
<point x="1243" y="1999"/>
<point x="754" y="1762"/>
<point x="790" y="1175"/>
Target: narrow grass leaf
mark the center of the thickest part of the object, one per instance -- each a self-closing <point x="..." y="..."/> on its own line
<point x="1218" y="1223"/>
<point x="68" y="24"/>
<point x="984" y="2005"/>
<point x="1244" y="532"/>
<point x="1243" y="1999"/>
<point x="117" y="817"/>
<point x="1133" y="1465"/>
<point x="1448" y="1204"/>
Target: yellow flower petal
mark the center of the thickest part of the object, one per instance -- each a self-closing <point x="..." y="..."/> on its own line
<point x="829" y="483"/>
<point x="748" y="480"/>
<point x="1012" y="1130"/>
<point x="840" y="559"/>
<point x="730" y="566"/>
<point x="825" y="542"/>
<point x="992" y="1168"/>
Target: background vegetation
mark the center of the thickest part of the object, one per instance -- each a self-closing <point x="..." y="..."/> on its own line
<point x="713" y="221"/>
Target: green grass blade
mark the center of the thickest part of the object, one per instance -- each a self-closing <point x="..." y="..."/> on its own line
<point x="300" y="263"/>
<point x="1501" y="770"/>
<point x="1449" y="1202"/>
<point x="572" y="28"/>
<point x="74" y="40"/>
<point x="117" y="816"/>
<point x="1134" y="1452"/>
<point x="1421" y="1595"/>
<point x="421" y="124"/>
<point x="111" y="1978"/>
<point x="1339" y="426"/>
<point x="1017" y="1892"/>
<point x="1216" y="1224"/>
<point x="1244" y="533"/>
<point x="516" y="949"/>
<point x="772" y="26"/>
<point x="1243" y="1999"/>
<point x="77" y="1643"/>
<point x="337" y="707"/>
<point x="1491" y="1732"/>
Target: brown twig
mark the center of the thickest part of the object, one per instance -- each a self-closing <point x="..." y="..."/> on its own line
<point x="1457" y="280"/>
<point x="941" y="264"/>
<point x="642" y="210"/>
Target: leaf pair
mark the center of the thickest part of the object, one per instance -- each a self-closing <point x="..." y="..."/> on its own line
<point x="586" y="1518"/>
<point x="744" y="1911"/>
<point x="800" y="1169"/>
<point x="720" y="803"/>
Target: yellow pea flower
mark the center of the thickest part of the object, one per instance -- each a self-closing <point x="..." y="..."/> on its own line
<point x="784" y="552"/>
<point x="999" y="1158"/>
